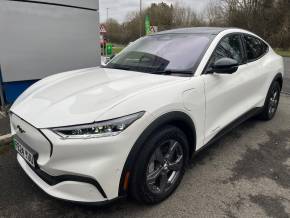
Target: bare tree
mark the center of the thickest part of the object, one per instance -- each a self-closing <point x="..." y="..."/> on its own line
<point x="268" y="18"/>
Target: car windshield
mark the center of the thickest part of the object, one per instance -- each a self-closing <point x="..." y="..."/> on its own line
<point x="164" y="53"/>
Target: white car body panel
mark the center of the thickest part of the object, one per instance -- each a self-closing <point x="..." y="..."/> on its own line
<point x="33" y="139"/>
<point x="212" y="101"/>
<point x="230" y="96"/>
<point x="73" y="191"/>
<point x="80" y="97"/>
<point x="85" y="157"/>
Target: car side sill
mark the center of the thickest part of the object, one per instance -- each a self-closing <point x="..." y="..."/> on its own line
<point x="231" y="126"/>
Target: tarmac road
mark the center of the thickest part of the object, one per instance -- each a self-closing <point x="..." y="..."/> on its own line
<point x="246" y="174"/>
<point x="286" y="86"/>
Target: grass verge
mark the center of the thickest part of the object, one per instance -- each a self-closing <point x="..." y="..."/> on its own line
<point x="283" y="53"/>
<point x="116" y="50"/>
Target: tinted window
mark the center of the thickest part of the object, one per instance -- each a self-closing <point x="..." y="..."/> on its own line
<point x="166" y="52"/>
<point x="255" y="48"/>
<point x="229" y="47"/>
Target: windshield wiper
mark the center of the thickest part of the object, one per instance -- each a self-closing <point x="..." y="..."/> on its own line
<point x="169" y="72"/>
<point x="138" y="69"/>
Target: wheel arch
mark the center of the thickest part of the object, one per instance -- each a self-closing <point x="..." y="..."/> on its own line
<point x="279" y="79"/>
<point x="175" y="118"/>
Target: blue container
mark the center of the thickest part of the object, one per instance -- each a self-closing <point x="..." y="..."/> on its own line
<point x="12" y="90"/>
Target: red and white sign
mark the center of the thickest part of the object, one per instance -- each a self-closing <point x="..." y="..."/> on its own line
<point x="103" y="29"/>
<point x="153" y="29"/>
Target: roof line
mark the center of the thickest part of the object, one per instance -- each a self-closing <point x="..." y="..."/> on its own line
<point x="54" y="4"/>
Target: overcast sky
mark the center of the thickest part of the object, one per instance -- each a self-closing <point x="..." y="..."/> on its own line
<point x="118" y="9"/>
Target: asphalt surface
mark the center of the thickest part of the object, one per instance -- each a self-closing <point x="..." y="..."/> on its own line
<point x="286" y="86"/>
<point x="4" y="125"/>
<point x="245" y="174"/>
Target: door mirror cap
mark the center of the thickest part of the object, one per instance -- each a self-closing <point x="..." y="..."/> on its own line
<point x="224" y="66"/>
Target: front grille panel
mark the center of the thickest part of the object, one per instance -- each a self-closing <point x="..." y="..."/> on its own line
<point x="33" y="138"/>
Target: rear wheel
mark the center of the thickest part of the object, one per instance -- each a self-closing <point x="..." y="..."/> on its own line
<point x="272" y="102"/>
<point x="160" y="167"/>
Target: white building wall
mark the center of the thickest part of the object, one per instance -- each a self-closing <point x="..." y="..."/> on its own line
<point x="37" y="40"/>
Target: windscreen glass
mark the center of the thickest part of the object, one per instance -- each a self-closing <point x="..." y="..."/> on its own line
<point x="164" y="52"/>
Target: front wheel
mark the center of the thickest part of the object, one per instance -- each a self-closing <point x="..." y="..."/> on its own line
<point x="272" y="102"/>
<point x="160" y="167"/>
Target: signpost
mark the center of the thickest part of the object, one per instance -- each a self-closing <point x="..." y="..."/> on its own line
<point x="103" y="32"/>
<point x="109" y="49"/>
<point x="153" y="29"/>
<point x="148" y="28"/>
<point x="147" y="25"/>
<point x="103" y="29"/>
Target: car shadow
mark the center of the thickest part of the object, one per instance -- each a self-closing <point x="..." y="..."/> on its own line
<point x="207" y="153"/>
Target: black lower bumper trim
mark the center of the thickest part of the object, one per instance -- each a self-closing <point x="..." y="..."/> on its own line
<point x="53" y="180"/>
<point x="93" y="204"/>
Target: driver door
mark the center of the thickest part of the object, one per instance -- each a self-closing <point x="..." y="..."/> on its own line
<point x="227" y="95"/>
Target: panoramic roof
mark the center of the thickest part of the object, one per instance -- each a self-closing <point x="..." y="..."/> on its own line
<point x="196" y="30"/>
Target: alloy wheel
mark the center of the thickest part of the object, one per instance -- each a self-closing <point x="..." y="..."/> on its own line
<point x="164" y="167"/>
<point x="273" y="102"/>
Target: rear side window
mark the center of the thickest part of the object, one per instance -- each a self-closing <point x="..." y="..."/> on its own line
<point x="255" y="48"/>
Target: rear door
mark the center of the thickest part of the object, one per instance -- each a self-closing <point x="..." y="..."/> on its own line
<point x="258" y="65"/>
<point x="228" y="96"/>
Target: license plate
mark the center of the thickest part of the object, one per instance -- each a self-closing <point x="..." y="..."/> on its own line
<point x="24" y="152"/>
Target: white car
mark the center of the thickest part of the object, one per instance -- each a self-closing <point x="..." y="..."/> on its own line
<point x="131" y="127"/>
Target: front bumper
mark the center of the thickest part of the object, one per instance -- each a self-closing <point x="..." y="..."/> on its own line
<point x="82" y="170"/>
<point x="77" y="191"/>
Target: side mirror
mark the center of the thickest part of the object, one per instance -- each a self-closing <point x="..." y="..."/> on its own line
<point x="224" y="66"/>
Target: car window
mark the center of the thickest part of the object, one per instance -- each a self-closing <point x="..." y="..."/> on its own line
<point x="255" y="48"/>
<point x="229" y="47"/>
<point x="164" y="52"/>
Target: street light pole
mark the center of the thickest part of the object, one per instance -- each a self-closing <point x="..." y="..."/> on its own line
<point x="140" y="18"/>
<point x="108" y="14"/>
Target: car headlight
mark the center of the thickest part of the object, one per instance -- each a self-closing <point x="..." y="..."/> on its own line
<point x="98" y="129"/>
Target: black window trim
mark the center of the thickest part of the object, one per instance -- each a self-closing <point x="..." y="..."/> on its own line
<point x="244" y="56"/>
<point x="244" y="45"/>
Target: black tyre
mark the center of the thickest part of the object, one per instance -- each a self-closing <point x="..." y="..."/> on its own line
<point x="160" y="166"/>
<point x="272" y="102"/>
